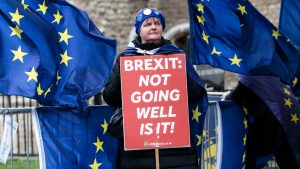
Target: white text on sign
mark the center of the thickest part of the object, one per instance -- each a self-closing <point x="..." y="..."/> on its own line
<point x="152" y="64"/>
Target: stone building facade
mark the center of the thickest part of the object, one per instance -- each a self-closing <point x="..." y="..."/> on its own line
<point x="115" y="19"/>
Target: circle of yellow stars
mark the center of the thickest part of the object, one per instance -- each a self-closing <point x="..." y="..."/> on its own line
<point x="19" y="54"/>
<point x="235" y="60"/>
<point x="242" y="9"/>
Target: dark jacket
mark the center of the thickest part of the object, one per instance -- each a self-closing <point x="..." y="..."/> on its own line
<point x="175" y="158"/>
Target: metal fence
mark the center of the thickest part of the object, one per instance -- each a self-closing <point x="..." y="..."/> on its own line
<point x="23" y="143"/>
<point x="16" y="102"/>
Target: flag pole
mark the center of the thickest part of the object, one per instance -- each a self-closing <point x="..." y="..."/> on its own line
<point x="157" y="158"/>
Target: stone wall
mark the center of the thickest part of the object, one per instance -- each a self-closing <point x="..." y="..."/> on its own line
<point x="115" y="18"/>
<point x="269" y="8"/>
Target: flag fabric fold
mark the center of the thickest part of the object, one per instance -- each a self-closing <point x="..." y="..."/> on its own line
<point x="234" y="36"/>
<point x="52" y="52"/>
<point x="197" y="116"/>
<point x="283" y="104"/>
<point x="234" y="123"/>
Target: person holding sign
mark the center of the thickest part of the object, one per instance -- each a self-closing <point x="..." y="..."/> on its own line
<point x="150" y="24"/>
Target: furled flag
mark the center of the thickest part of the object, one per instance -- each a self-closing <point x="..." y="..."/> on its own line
<point x="289" y="25"/>
<point x="52" y="52"/>
<point x="234" y="36"/>
<point x="68" y="140"/>
<point x="233" y="130"/>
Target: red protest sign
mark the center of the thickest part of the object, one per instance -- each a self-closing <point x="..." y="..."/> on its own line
<point x="155" y="105"/>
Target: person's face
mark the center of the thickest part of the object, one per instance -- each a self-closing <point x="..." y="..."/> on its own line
<point x="151" y="31"/>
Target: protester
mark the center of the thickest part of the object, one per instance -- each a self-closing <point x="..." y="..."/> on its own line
<point x="272" y="132"/>
<point x="150" y="24"/>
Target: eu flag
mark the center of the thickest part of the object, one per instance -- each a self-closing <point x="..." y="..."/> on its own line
<point x="234" y="36"/>
<point x="283" y="104"/>
<point x="220" y="134"/>
<point x="52" y="52"/>
<point x="295" y="87"/>
<point x="233" y="130"/>
<point x="224" y="136"/>
<point x="68" y="140"/>
<point x="197" y="114"/>
<point x="289" y="25"/>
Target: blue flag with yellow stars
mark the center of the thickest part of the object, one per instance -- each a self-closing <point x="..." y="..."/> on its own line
<point x="52" y="52"/>
<point x="234" y="36"/>
<point x="197" y="114"/>
<point x="295" y="87"/>
<point x="68" y="140"/>
<point x="224" y="136"/>
<point x="233" y="131"/>
<point x="283" y="105"/>
<point x="75" y="140"/>
<point x="289" y="25"/>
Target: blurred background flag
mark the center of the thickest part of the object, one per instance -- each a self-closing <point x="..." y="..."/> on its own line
<point x="68" y="140"/>
<point x="234" y="36"/>
<point x="284" y="106"/>
<point x="51" y="51"/>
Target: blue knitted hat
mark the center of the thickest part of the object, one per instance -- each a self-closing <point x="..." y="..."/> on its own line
<point x="146" y="13"/>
